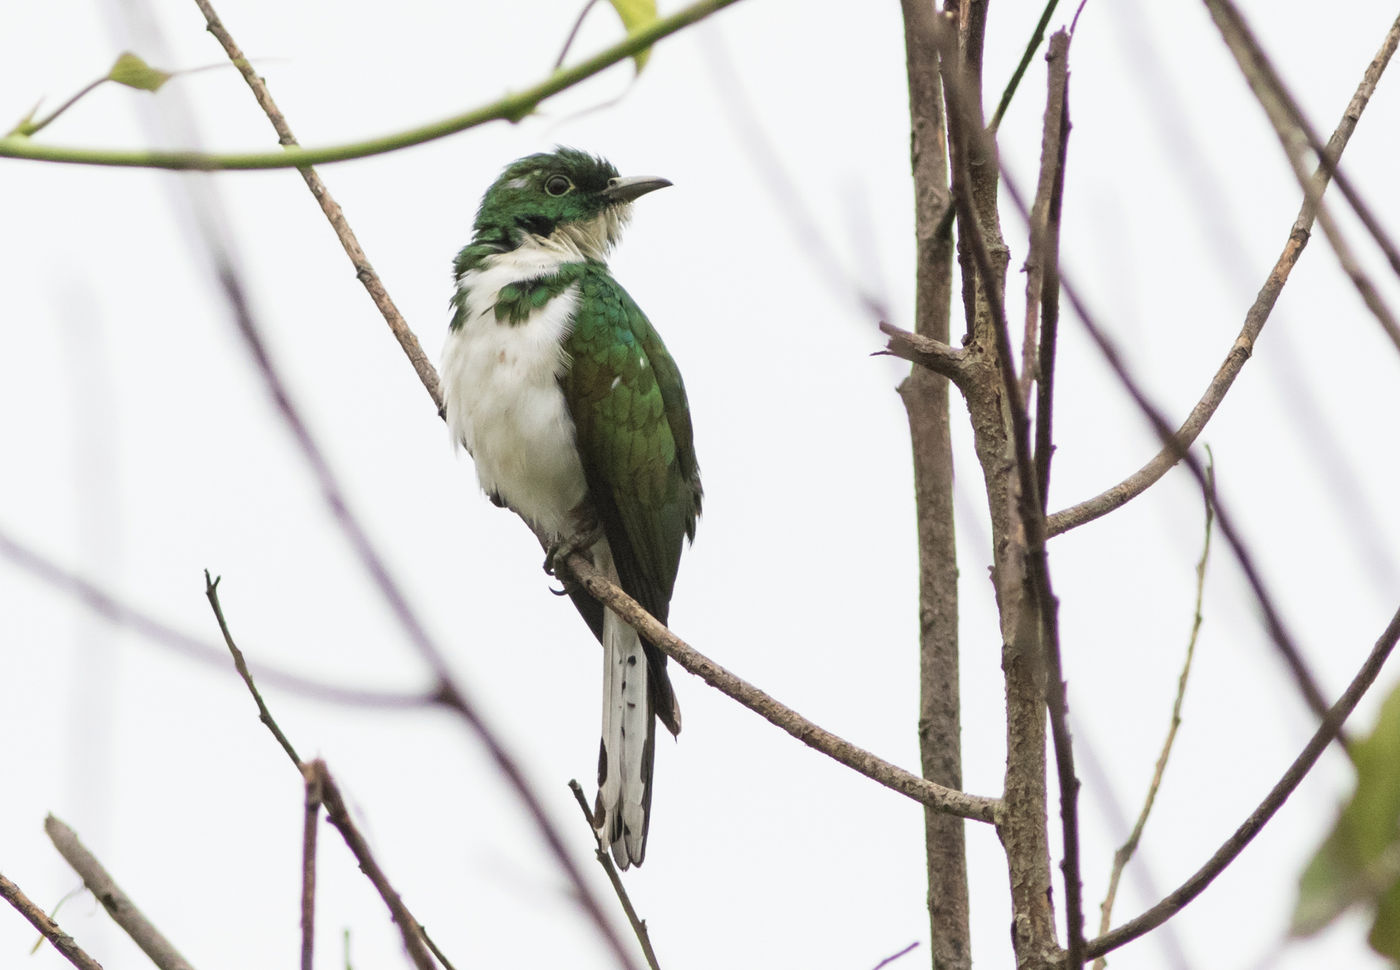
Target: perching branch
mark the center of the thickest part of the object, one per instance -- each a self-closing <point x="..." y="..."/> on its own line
<point x="512" y="107"/>
<point x="122" y="910"/>
<point x="935" y="796"/>
<point x="1297" y="771"/>
<point x="44" y="923"/>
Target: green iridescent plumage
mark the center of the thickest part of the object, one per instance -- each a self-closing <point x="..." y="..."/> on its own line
<point x="634" y="435"/>
<point x="576" y="417"/>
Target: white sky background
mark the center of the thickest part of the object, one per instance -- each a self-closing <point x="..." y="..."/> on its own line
<point x="141" y="447"/>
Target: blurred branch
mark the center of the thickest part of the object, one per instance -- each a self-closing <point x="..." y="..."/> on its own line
<point x="1273" y="618"/>
<point x="1126" y="850"/>
<point x="895" y="956"/>
<point x="935" y="796"/>
<point x="573" y="34"/>
<point x="1226" y="854"/>
<point x="512" y="107"/>
<point x="122" y="910"/>
<point x="639" y="925"/>
<point x="42" y="922"/>
<point x="143" y="624"/>
<point x="1254" y="320"/>
<point x="1291" y="126"/>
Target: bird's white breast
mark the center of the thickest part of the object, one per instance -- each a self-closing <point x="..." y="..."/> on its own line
<point x="502" y="395"/>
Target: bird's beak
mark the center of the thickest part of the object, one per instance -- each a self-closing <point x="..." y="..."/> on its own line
<point x="630" y="187"/>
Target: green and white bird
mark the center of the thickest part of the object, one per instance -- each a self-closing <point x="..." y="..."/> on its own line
<point x="576" y="418"/>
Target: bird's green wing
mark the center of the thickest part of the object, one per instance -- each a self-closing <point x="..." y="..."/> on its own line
<point x="630" y="413"/>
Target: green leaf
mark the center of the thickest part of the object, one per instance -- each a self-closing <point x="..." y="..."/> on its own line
<point x="635" y="15"/>
<point x="1385" y="933"/>
<point x="136" y="73"/>
<point x="1360" y="861"/>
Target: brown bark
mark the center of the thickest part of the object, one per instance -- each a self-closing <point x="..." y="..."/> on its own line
<point x="925" y="396"/>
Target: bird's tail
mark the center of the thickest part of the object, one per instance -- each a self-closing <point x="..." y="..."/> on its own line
<point x="623" y="808"/>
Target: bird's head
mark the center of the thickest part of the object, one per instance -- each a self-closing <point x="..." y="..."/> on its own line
<point x="564" y="198"/>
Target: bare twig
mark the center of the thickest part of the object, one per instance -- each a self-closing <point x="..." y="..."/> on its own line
<point x="1126" y="850"/>
<point x="363" y="269"/>
<point x="1273" y="618"/>
<point x="1254" y="320"/>
<point x="309" y="829"/>
<point x="123" y="912"/>
<point x="45" y="924"/>
<point x="1297" y="771"/>
<point x="639" y="925"/>
<point x="110" y="608"/>
<point x="938" y="797"/>
<point x="1043" y="261"/>
<point x="339" y="816"/>
<point x="1032" y="46"/>
<point x="433" y="947"/>
<point x="321" y="791"/>
<point x="936" y="355"/>
<point x="211" y="592"/>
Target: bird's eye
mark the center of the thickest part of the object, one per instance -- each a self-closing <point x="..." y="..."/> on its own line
<point x="557" y="185"/>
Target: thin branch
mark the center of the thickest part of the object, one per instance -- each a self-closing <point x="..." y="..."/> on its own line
<point x="211" y="592"/>
<point x="962" y="130"/>
<point x="322" y="791"/>
<point x="45" y="924"/>
<point x="1037" y="36"/>
<point x="339" y="816"/>
<point x="1254" y="320"/>
<point x="573" y="34"/>
<point x="1128" y="848"/>
<point x="1273" y="618"/>
<point x="114" y="611"/>
<point x="1226" y="854"/>
<point x="310" y="827"/>
<point x="512" y="107"/>
<point x="122" y="910"/>
<point x="639" y="925"/>
<point x="938" y="797"/>
<point x="926" y="352"/>
<point x="364" y="271"/>
<point x="1289" y="122"/>
<point x="1043" y="262"/>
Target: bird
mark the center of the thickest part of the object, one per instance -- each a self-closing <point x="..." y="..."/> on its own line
<point x="576" y="418"/>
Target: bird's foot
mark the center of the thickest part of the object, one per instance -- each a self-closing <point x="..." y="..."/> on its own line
<point x="586" y="532"/>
